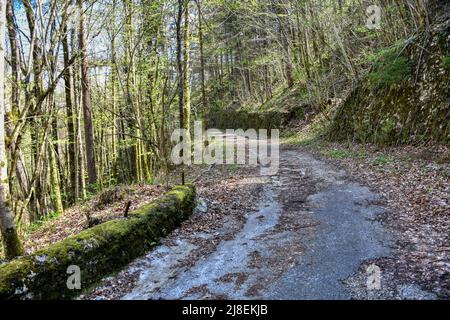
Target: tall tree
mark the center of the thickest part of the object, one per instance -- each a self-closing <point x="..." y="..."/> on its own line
<point x="15" y="153"/>
<point x="86" y="97"/>
<point x="72" y="163"/>
<point x="180" y="68"/>
<point x="11" y="243"/>
<point x="180" y="62"/>
<point x="202" y="55"/>
<point x="186" y="74"/>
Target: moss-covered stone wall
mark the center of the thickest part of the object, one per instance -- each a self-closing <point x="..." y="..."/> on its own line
<point x="242" y="119"/>
<point x="97" y="251"/>
<point x="416" y="109"/>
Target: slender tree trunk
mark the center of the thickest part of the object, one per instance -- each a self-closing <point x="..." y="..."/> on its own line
<point x="87" y="107"/>
<point x="202" y="55"/>
<point x="35" y="115"/>
<point x="79" y="154"/>
<point x="15" y="57"/>
<point x="181" y="100"/>
<point x="55" y="189"/>
<point x="130" y="96"/>
<point x="114" y="137"/>
<point x="72" y="167"/>
<point x="186" y="74"/>
<point x="11" y="242"/>
<point x="180" y="63"/>
<point x="16" y="154"/>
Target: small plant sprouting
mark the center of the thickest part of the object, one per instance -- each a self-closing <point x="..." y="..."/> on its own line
<point x="382" y="160"/>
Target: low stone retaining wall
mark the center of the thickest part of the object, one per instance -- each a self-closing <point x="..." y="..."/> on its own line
<point x="96" y="252"/>
<point x="229" y="119"/>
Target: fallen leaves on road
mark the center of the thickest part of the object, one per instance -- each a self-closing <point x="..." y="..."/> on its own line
<point x="229" y="192"/>
<point x="414" y="183"/>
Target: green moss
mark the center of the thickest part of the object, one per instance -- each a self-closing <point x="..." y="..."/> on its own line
<point x="12" y="275"/>
<point x="97" y="251"/>
<point x="389" y="70"/>
<point x="408" y="112"/>
<point x="386" y="130"/>
<point x="12" y="245"/>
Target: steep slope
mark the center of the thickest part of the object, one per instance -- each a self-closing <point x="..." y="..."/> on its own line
<point x="405" y="98"/>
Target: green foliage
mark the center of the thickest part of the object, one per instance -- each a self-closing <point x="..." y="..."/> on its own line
<point x="342" y="154"/>
<point x="446" y="62"/>
<point x="387" y="126"/>
<point x="385" y="130"/>
<point x="39" y="223"/>
<point x="92" y="190"/>
<point x="382" y="160"/>
<point x="389" y="68"/>
<point x="338" y="154"/>
<point x="291" y="137"/>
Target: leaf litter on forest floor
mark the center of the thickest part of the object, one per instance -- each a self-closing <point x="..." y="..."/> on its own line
<point x="74" y="219"/>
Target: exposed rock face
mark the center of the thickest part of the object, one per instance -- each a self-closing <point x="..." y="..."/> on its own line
<point x="415" y="109"/>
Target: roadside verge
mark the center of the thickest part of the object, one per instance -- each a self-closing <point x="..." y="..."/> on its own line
<point x="97" y="251"/>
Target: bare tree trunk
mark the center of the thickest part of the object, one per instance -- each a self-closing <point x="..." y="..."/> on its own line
<point x="202" y="56"/>
<point x="16" y="154"/>
<point x="10" y="239"/>
<point x="180" y="63"/>
<point x="180" y="73"/>
<point x="79" y="153"/>
<point x="55" y="189"/>
<point x="87" y="107"/>
<point x="72" y="167"/>
<point x="186" y="74"/>
<point x="15" y="55"/>
<point x="114" y="137"/>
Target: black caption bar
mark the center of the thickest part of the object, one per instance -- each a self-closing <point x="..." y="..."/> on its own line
<point x="149" y="310"/>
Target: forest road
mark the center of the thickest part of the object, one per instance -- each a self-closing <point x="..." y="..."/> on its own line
<point x="313" y="229"/>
